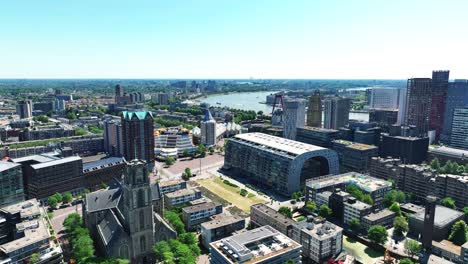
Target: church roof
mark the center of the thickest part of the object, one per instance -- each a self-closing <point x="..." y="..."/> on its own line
<point x="155" y="192"/>
<point x="109" y="228"/>
<point x="208" y="116"/>
<point x="141" y="115"/>
<point x="103" y="199"/>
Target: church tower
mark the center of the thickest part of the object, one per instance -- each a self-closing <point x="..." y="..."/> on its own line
<point x="137" y="211"/>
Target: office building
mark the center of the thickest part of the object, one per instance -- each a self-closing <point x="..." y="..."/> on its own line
<point x="294" y="117"/>
<point x="261" y="245"/>
<point x="208" y="129"/>
<point x="402" y="107"/>
<point x="24" y="109"/>
<point x="24" y="232"/>
<point x="457" y="97"/>
<point x="44" y="175"/>
<point x="314" y="112"/>
<point x="412" y="150"/>
<point x="181" y="196"/>
<point x="194" y="215"/>
<point x="418" y="104"/>
<point x="106" y="170"/>
<point x="59" y="106"/>
<point x="321" y="137"/>
<point x="11" y="183"/>
<point x="434" y="223"/>
<point x="459" y="136"/>
<point x="173" y="139"/>
<point x="354" y="209"/>
<point x="320" y="240"/>
<point x="263" y="215"/>
<point x="278" y="163"/>
<point x="376" y="188"/>
<point x="138" y="136"/>
<point x="336" y="113"/>
<point x="113" y="138"/>
<point x="384" y="97"/>
<point x="354" y="156"/>
<point x="383" y="118"/>
<point x="121" y="219"/>
<point x="439" y="96"/>
<point x="383" y="217"/>
<point x="219" y="227"/>
<point x="45" y="132"/>
<point x="172" y="186"/>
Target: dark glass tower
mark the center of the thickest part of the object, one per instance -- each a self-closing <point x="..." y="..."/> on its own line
<point x="418" y="104"/>
<point x="439" y="96"/>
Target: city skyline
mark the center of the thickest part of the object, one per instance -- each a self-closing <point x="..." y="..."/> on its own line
<point x="227" y="40"/>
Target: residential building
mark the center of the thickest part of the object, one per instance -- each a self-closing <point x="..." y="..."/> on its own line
<point x="113" y="138"/>
<point x="45" y="132"/>
<point x="278" y="163"/>
<point x="263" y="215"/>
<point x="194" y="215"/>
<point x="138" y="136"/>
<point x="219" y="227"/>
<point x="161" y="98"/>
<point x="261" y="245"/>
<point x="383" y="217"/>
<point x="11" y="183"/>
<point x="24" y="109"/>
<point x="457" y="97"/>
<point x="354" y="209"/>
<point x="336" y="202"/>
<point x="121" y="219"/>
<point x="103" y="171"/>
<point x="384" y="97"/>
<point x="181" y="197"/>
<point x="323" y="198"/>
<point x="459" y="136"/>
<point x="438" y="99"/>
<point x="320" y="240"/>
<point x="317" y="136"/>
<point x="172" y="186"/>
<point x="418" y="104"/>
<point x="24" y="231"/>
<point x="59" y="106"/>
<point x="412" y="150"/>
<point x="44" y="175"/>
<point x="354" y="156"/>
<point x="376" y="188"/>
<point x="294" y="117"/>
<point x="314" y="112"/>
<point x="336" y="112"/>
<point x="208" y="129"/>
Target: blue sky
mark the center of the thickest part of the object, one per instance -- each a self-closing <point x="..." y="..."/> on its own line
<point x="233" y="39"/>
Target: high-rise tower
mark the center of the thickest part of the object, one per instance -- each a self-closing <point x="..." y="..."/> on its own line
<point x="208" y="129"/>
<point x="138" y="136"/>
<point x="314" y="112"/>
<point x="418" y="104"/>
<point x="336" y="112"/>
<point x="429" y="216"/>
<point x="439" y="96"/>
<point x="294" y="117"/>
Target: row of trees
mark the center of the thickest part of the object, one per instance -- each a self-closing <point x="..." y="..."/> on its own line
<point x="450" y="167"/>
<point x="57" y="198"/>
<point x="324" y="211"/>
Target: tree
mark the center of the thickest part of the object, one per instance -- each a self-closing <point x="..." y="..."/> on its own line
<point x="175" y="222"/>
<point x="400" y="226"/>
<point x="186" y="153"/>
<point x="378" y="234"/>
<point x="325" y="211"/>
<point x="392" y="182"/>
<point x="211" y="150"/>
<point x="435" y="164"/>
<point x="103" y="185"/>
<point x="406" y="261"/>
<point x="412" y="247"/>
<point x="52" y="202"/>
<point x="289" y="261"/>
<point x="394" y="196"/>
<point x="67" y="197"/>
<point x="82" y="248"/>
<point x="80" y="131"/>
<point x="34" y="258"/>
<point x="465" y="210"/>
<point x="185" y="177"/>
<point x="448" y="202"/>
<point x="296" y="195"/>
<point x="188" y="171"/>
<point x="366" y="198"/>
<point x="160" y="249"/>
<point x="395" y="207"/>
<point x="311" y="206"/>
<point x="355" y="225"/>
<point x="58" y="196"/>
<point x="72" y="222"/>
<point x="169" y="161"/>
<point x="458" y="235"/>
<point x="286" y="211"/>
<point x="188" y="238"/>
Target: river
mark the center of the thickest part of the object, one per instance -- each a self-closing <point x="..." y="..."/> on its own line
<point x="251" y="101"/>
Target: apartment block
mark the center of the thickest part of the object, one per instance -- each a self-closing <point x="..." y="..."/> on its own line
<point x="194" y="215"/>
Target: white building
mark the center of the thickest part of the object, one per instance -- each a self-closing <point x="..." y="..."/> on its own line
<point x="384" y="97"/>
<point x="294" y="117"/>
<point x="208" y="130"/>
<point x="401" y="106"/>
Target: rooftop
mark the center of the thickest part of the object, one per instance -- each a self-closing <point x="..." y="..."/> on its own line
<point x="199" y="207"/>
<point x="447" y="246"/>
<point x="181" y="192"/>
<point x="321" y="230"/>
<point x="35" y="158"/>
<point x="452" y="152"/>
<point x="35" y="231"/>
<point x="319" y="129"/>
<point x="103" y="199"/>
<point x="354" y="145"/>
<point x="221" y="220"/>
<point x="379" y="215"/>
<point x="278" y="143"/>
<point x="169" y="183"/>
<point x="265" y="209"/>
<point x="443" y="216"/>
<point x="363" y="182"/>
<point x="55" y="162"/>
<point x="255" y="245"/>
<point x="357" y="204"/>
<point x="26" y="209"/>
<point x="141" y="115"/>
<point x="5" y="165"/>
<point x="103" y="163"/>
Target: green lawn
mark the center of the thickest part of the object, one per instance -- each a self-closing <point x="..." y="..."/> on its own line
<point x="230" y="193"/>
<point x="363" y="253"/>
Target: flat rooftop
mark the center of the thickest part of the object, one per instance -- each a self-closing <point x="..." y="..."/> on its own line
<point x="220" y="221"/>
<point x="26" y="209"/>
<point x="35" y="158"/>
<point x="103" y="163"/>
<point x="319" y="129"/>
<point x="169" y="183"/>
<point x="358" y="205"/>
<point x="265" y="209"/>
<point x="363" y="182"/>
<point x="443" y="216"/>
<point x="354" y="145"/>
<point x="277" y="143"/>
<point x="55" y="162"/>
<point x="181" y="192"/>
<point x="255" y="245"/>
<point x="199" y="207"/>
<point x="320" y="231"/>
<point x="379" y="215"/>
<point x="34" y="231"/>
<point x="5" y="165"/>
<point x="447" y="151"/>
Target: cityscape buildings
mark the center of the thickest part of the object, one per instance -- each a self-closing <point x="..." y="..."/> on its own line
<point x="24" y="109"/>
<point x="384" y="97"/>
<point x="208" y="129"/>
<point x="113" y="138"/>
<point x="314" y="112"/>
<point x="354" y="156"/>
<point x="11" y="183"/>
<point x="294" y="117"/>
<point x="438" y="99"/>
<point x="219" y="227"/>
<point x="138" y="136"/>
<point x="336" y="112"/>
<point x="459" y="135"/>
<point x="457" y="97"/>
<point x="317" y="136"/>
<point x="281" y="164"/>
<point x="418" y="104"/>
